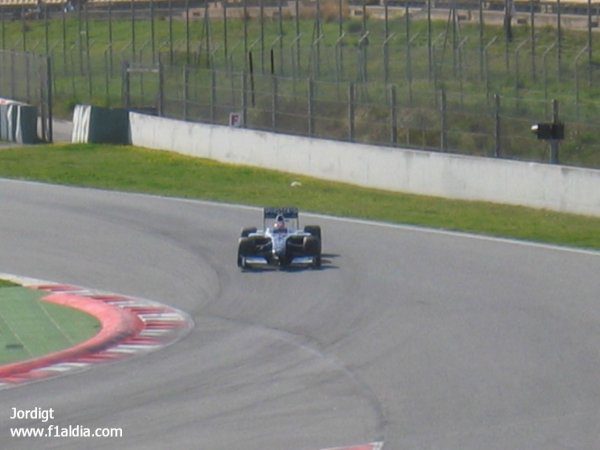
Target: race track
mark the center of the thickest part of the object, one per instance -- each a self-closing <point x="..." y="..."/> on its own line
<point x="419" y="339"/>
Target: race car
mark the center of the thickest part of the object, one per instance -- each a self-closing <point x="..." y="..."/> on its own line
<point x="281" y="242"/>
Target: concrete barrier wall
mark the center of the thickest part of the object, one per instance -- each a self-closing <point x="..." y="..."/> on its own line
<point x="559" y="188"/>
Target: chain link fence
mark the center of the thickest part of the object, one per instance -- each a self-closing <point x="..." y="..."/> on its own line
<point x="372" y="74"/>
<point x="26" y="77"/>
<point x="371" y="113"/>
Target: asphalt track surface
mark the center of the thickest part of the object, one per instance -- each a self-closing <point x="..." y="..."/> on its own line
<point x="420" y="339"/>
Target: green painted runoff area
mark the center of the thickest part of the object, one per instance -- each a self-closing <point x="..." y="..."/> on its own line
<point x="31" y="328"/>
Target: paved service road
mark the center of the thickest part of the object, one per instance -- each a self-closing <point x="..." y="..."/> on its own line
<point x="422" y="340"/>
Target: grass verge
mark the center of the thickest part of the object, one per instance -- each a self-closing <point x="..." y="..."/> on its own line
<point x="31" y="328"/>
<point x="139" y="170"/>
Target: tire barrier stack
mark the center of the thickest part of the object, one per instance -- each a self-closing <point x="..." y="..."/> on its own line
<point x="92" y="124"/>
<point x="18" y="122"/>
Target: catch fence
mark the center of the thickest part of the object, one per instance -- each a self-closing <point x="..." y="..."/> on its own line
<point x="26" y="78"/>
<point x="397" y="74"/>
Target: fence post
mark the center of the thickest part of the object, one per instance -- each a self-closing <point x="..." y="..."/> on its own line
<point x="297" y="39"/>
<point x="213" y="96"/>
<point x="481" y="45"/>
<point x="274" y="101"/>
<point x="244" y="99"/>
<point x="3" y="22"/>
<point x="107" y="73"/>
<point x="126" y="85"/>
<point x="187" y="31"/>
<point x="554" y="143"/>
<point x="444" y="131"/>
<point x="497" y="129"/>
<point x="532" y="15"/>
<point x="27" y="77"/>
<point x="185" y="91"/>
<point x="132" y="13"/>
<point x="351" y="112"/>
<point x="170" y="31"/>
<point x="49" y="98"/>
<point x="590" y="70"/>
<point x="13" y="76"/>
<point x="161" y="89"/>
<point x="559" y="39"/>
<point x="429" y="42"/>
<point x="311" y="122"/>
<point x="393" y="116"/>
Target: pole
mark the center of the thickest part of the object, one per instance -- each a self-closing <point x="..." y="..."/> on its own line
<point x="554" y="143"/>
<point x="340" y="18"/>
<point x="185" y="91"/>
<point x="532" y="16"/>
<point x="444" y="130"/>
<point x="393" y="116"/>
<point x="152" y="31"/>
<point x="589" y="11"/>
<point x="559" y="39"/>
<point x="46" y="29"/>
<point x="311" y="121"/>
<point x="274" y="102"/>
<point x="88" y="61"/>
<point x="224" y="2"/>
<point x="244" y="99"/>
<point x="351" y="112"/>
<point x="64" y="39"/>
<point x="213" y="96"/>
<point x="481" y="45"/>
<point x="262" y="36"/>
<point x="251" y="66"/>
<point x="429" y="40"/>
<point x="280" y="22"/>
<point x="110" y="38"/>
<point x="245" y="20"/>
<point x="297" y="40"/>
<point x="132" y="10"/>
<point x="187" y="31"/>
<point x="171" y="32"/>
<point x="3" y="30"/>
<point x="49" y="97"/>
<point x="497" y="129"/>
<point x="161" y="91"/>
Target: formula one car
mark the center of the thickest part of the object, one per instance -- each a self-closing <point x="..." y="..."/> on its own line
<point x="282" y="243"/>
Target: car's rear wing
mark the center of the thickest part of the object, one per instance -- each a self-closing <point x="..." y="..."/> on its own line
<point x="287" y="213"/>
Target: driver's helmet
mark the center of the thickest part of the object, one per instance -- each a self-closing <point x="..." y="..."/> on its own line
<point x="279" y="224"/>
